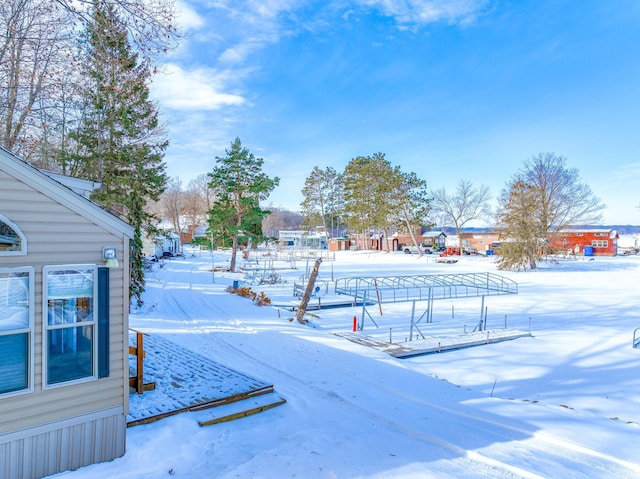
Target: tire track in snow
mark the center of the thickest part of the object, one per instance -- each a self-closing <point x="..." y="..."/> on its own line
<point x="546" y="456"/>
<point x="470" y="465"/>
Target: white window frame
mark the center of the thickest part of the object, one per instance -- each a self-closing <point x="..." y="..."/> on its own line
<point x="46" y="327"/>
<point x="30" y="330"/>
<point x="23" y="239"/>
<point x="600" y="243"/>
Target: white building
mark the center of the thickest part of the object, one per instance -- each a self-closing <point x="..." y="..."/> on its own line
<point x="302" y="239"/>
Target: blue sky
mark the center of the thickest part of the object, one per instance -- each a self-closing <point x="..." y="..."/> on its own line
<point x="448" y="89"/>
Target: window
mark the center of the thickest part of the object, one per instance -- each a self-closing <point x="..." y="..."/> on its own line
<point x="600" y="243"/>
<point x="70" y="323"/>
<point x="12" y="241"/>
<point x="601" y="234"/>
<point x="16" y="329"/>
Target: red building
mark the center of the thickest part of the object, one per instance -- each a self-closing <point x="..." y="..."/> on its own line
<point x="587" y="242"/>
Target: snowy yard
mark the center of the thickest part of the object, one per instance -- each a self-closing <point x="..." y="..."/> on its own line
<point x="563" y="402"/>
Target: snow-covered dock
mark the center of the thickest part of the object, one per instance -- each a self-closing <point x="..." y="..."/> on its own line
<point x="435" y="344"/>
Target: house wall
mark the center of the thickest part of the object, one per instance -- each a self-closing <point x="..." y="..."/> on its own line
<point x="339" y="244"/>
<point x="45" y="431"/>
<point x="435" y="239"/>
<point x="575" y="241"/>
<point x="480" y="241"/>
<point x="427" y="239"/>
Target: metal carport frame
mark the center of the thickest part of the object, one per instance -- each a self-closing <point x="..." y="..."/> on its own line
<point x="412" y="288"/>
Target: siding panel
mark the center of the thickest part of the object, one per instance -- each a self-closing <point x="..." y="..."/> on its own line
<point x="46" y="450"/>
<point x="75" y="433"/>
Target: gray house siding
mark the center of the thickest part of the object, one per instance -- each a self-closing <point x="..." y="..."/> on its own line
<point x="64" y="445"/>
<point x="51" y="429"/>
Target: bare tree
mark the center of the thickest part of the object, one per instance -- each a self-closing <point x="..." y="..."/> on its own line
<point x="541" y="199"/>
<point x="36" y="56"/>
<point x="150" y="24"/>
<point x="39" y="68"/>
<point x="281" y="219"/>
<point x="200" y="187"/>
<point x="466" y="204"/>
<point x="172" y="200"/>
<point x="563" y="200"/>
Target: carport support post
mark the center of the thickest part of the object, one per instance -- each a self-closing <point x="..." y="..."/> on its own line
<point x="411" y="331"/>
<point x="413" y="312"/>
<point x="430" y="305"/>
<point x="364" y="309"/>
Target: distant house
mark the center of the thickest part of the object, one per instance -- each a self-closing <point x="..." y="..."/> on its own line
<point x="435" y="238"/>
<point x="339" y="244"/>
<point x="64" y="303"/>
<point x="200" y="232"/>
<point x="588" y="242"/>
<point x="165" y="244"/>
<point x="428" y="238"/>
<point x="302" y="239"/>
<point x="482" y="241"/>
<point x="187" y="233"/>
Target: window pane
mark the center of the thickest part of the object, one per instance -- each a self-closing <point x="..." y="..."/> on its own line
<point x="70" y="284"/>
<point x="9" y="239"/>
<point x="14" y="301"/>
<point x="70" y="354"/>
<point x="70" y="322"/>
<point x="69" y="311"/>
<point x="14" y="368"/>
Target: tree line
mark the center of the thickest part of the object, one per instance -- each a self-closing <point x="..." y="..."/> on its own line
<point x="371" y="196"/>
<point x="545" y="196"/>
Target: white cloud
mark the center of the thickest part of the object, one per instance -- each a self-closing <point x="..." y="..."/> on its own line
<point x="188" y="18"/>
<point x="239" y="51"/>
<point x="420" y="12"/>
<point x="197" y="89"/>
<point x="272" y="8"/>
<point x="626" y="172"/>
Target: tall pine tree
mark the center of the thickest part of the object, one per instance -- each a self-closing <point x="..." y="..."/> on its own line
<point x="241" y="184"/>
<point x="119" y="141"/>
<point x="519" y="218"/>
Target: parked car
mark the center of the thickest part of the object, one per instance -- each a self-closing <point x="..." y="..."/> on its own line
<point x="411" y="249"/>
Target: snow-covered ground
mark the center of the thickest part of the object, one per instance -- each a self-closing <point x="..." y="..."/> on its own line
<point x="562" y="403"/>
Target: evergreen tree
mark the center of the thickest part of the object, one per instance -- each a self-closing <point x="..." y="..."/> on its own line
<point x="241" y="183"/>
<point x="366" y="179"/>
<point x="382" y="198"/>
<point x="409" y="202"/>
<point x="322" y="198"/>
<point x="119" y="141"/>
<point x="519" y="219"/>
